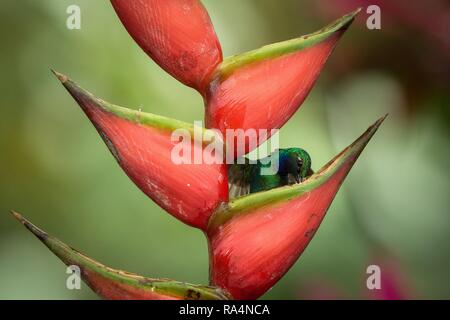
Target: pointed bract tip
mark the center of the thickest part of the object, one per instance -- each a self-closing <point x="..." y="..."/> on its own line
<point x="374" y="127"/>
<point x="380" y="121"/>
<point x="345" y="21"/>
<point x="353" y="14"/>
<point x="367" y="135"/>
<point x="42" y="235"/>
<point x="17" y="215"/>
<point x="357" y="11"/>
<point x="63" y="78"/>
<point x="274" y="50"/>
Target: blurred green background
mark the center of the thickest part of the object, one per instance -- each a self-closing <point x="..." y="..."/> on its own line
<point x="393" y="208"/>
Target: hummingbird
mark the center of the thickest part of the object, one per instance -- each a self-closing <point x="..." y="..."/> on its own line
<point x="282" y="167"/>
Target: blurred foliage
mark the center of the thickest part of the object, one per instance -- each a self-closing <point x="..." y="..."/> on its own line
<point x="56" y="171"/>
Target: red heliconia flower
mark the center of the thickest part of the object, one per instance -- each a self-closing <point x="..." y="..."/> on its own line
<point x="142" y="145"/>
<point x="114" y="284"/>
<point x="262" y="89"/>
<point x="254" y="240"/>
<point x="176" y="34"/>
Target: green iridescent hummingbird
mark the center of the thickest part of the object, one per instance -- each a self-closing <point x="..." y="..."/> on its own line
<point x="282" y="167"/>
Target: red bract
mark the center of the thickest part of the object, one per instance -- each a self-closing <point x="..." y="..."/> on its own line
<point x="254" y="240"/>
<point x="142" y="145"/>
<point x="176" y="34"/>
<point x="262" y="89"/>
<point x="114" y="284"/>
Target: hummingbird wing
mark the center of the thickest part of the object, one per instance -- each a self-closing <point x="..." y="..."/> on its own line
<point x="239" y="178"/>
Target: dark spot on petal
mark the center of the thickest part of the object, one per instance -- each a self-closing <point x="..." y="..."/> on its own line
<point x="192" y="295"/>
<point x="110" y="145"/>
<point x="312" y="216"/>
<point x="37" y="232"/>
<point x="310" y="232"/>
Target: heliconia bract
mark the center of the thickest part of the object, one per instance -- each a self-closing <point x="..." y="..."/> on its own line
<point x="177" y="34"/>
<point x="114" y="284"/>
<point x="254" y="240"/>
<point x="142" y="144"/>
<point x="262" y="89"/>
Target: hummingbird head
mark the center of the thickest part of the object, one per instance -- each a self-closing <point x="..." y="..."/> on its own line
<point x="297" y="163"/>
